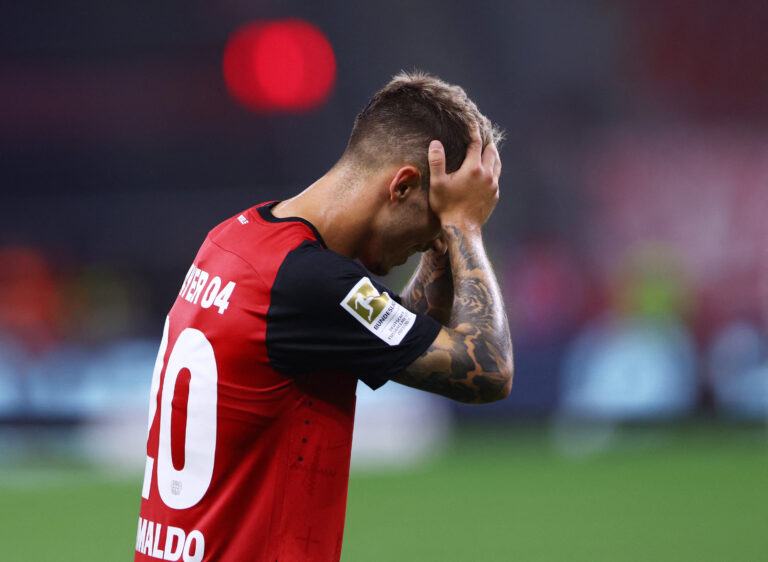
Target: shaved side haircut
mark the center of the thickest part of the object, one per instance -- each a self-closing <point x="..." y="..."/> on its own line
<point x="413" y="109"/>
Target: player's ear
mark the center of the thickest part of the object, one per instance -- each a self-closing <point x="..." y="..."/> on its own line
<point x="406" y="181"/>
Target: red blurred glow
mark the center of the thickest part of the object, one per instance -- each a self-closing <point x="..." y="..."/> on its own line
<point x="284" y="65"/>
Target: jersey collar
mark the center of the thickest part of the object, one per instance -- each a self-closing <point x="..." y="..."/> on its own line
<point x="265" y="212"/>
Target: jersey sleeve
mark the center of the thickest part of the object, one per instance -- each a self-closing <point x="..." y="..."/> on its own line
<point x="326" y="313"/>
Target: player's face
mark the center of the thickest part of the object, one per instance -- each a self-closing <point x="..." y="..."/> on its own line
<point x="410" y="229"/>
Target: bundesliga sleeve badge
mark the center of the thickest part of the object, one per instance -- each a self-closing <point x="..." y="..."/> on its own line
<point x="378" y="312"/>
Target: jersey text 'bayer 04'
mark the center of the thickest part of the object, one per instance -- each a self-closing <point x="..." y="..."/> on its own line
<point x="253" y="394"/>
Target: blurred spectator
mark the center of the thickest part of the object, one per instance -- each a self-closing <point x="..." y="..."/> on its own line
<point x="650" y="283"/>
<point x="737" y="363"/>
<point x="30" y="301"/>
<point x="630" y="369"/>
<point x="104" y="304"/>
<point x="638" y="361"/>
<point x="549" y="291"/>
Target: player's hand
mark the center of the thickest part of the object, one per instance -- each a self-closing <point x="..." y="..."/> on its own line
<point x="467" y="196"/>
<point x="440" y="246"/>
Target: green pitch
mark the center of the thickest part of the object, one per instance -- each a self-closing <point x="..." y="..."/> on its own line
<point x="685" y="493"/>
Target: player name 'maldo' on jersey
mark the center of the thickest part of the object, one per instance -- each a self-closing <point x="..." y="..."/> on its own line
<point x="171" y="543"/>
<point x="201" y="288"/>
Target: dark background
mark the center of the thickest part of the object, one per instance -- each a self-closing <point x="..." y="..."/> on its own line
<point x="630" y="237"/>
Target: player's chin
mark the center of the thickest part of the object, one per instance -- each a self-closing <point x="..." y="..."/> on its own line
<point x="378" y="268"/>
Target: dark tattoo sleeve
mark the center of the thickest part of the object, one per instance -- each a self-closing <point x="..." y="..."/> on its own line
<point x="471" y="361"/>
<point x="430" y="290"/>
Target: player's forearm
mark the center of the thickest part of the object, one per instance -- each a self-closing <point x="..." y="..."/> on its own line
<point x="471" y="361"/>
<point x="430" y="290"/>
<point x="478" y="311"/>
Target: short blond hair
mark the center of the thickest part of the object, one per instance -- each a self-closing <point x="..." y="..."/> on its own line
<point x="402" y="118"/>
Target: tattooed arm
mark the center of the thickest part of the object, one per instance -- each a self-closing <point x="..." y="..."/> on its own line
<point x="430" y="290"/>
<point x="471" y="358"/>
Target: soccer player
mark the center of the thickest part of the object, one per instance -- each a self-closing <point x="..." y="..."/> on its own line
<point x="253" y="393"/>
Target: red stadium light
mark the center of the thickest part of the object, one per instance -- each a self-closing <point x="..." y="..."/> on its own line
<point x="285" y="65"/>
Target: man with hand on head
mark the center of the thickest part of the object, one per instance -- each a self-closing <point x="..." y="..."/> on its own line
<point x="253" y="394"/>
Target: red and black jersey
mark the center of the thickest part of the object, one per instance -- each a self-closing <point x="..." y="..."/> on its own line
<point x="253" y="394"/>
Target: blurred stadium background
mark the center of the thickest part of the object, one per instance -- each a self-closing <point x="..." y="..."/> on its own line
<point x="631" y="240"/>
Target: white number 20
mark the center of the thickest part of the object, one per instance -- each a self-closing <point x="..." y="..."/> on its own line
<point x="181" y="489"/>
